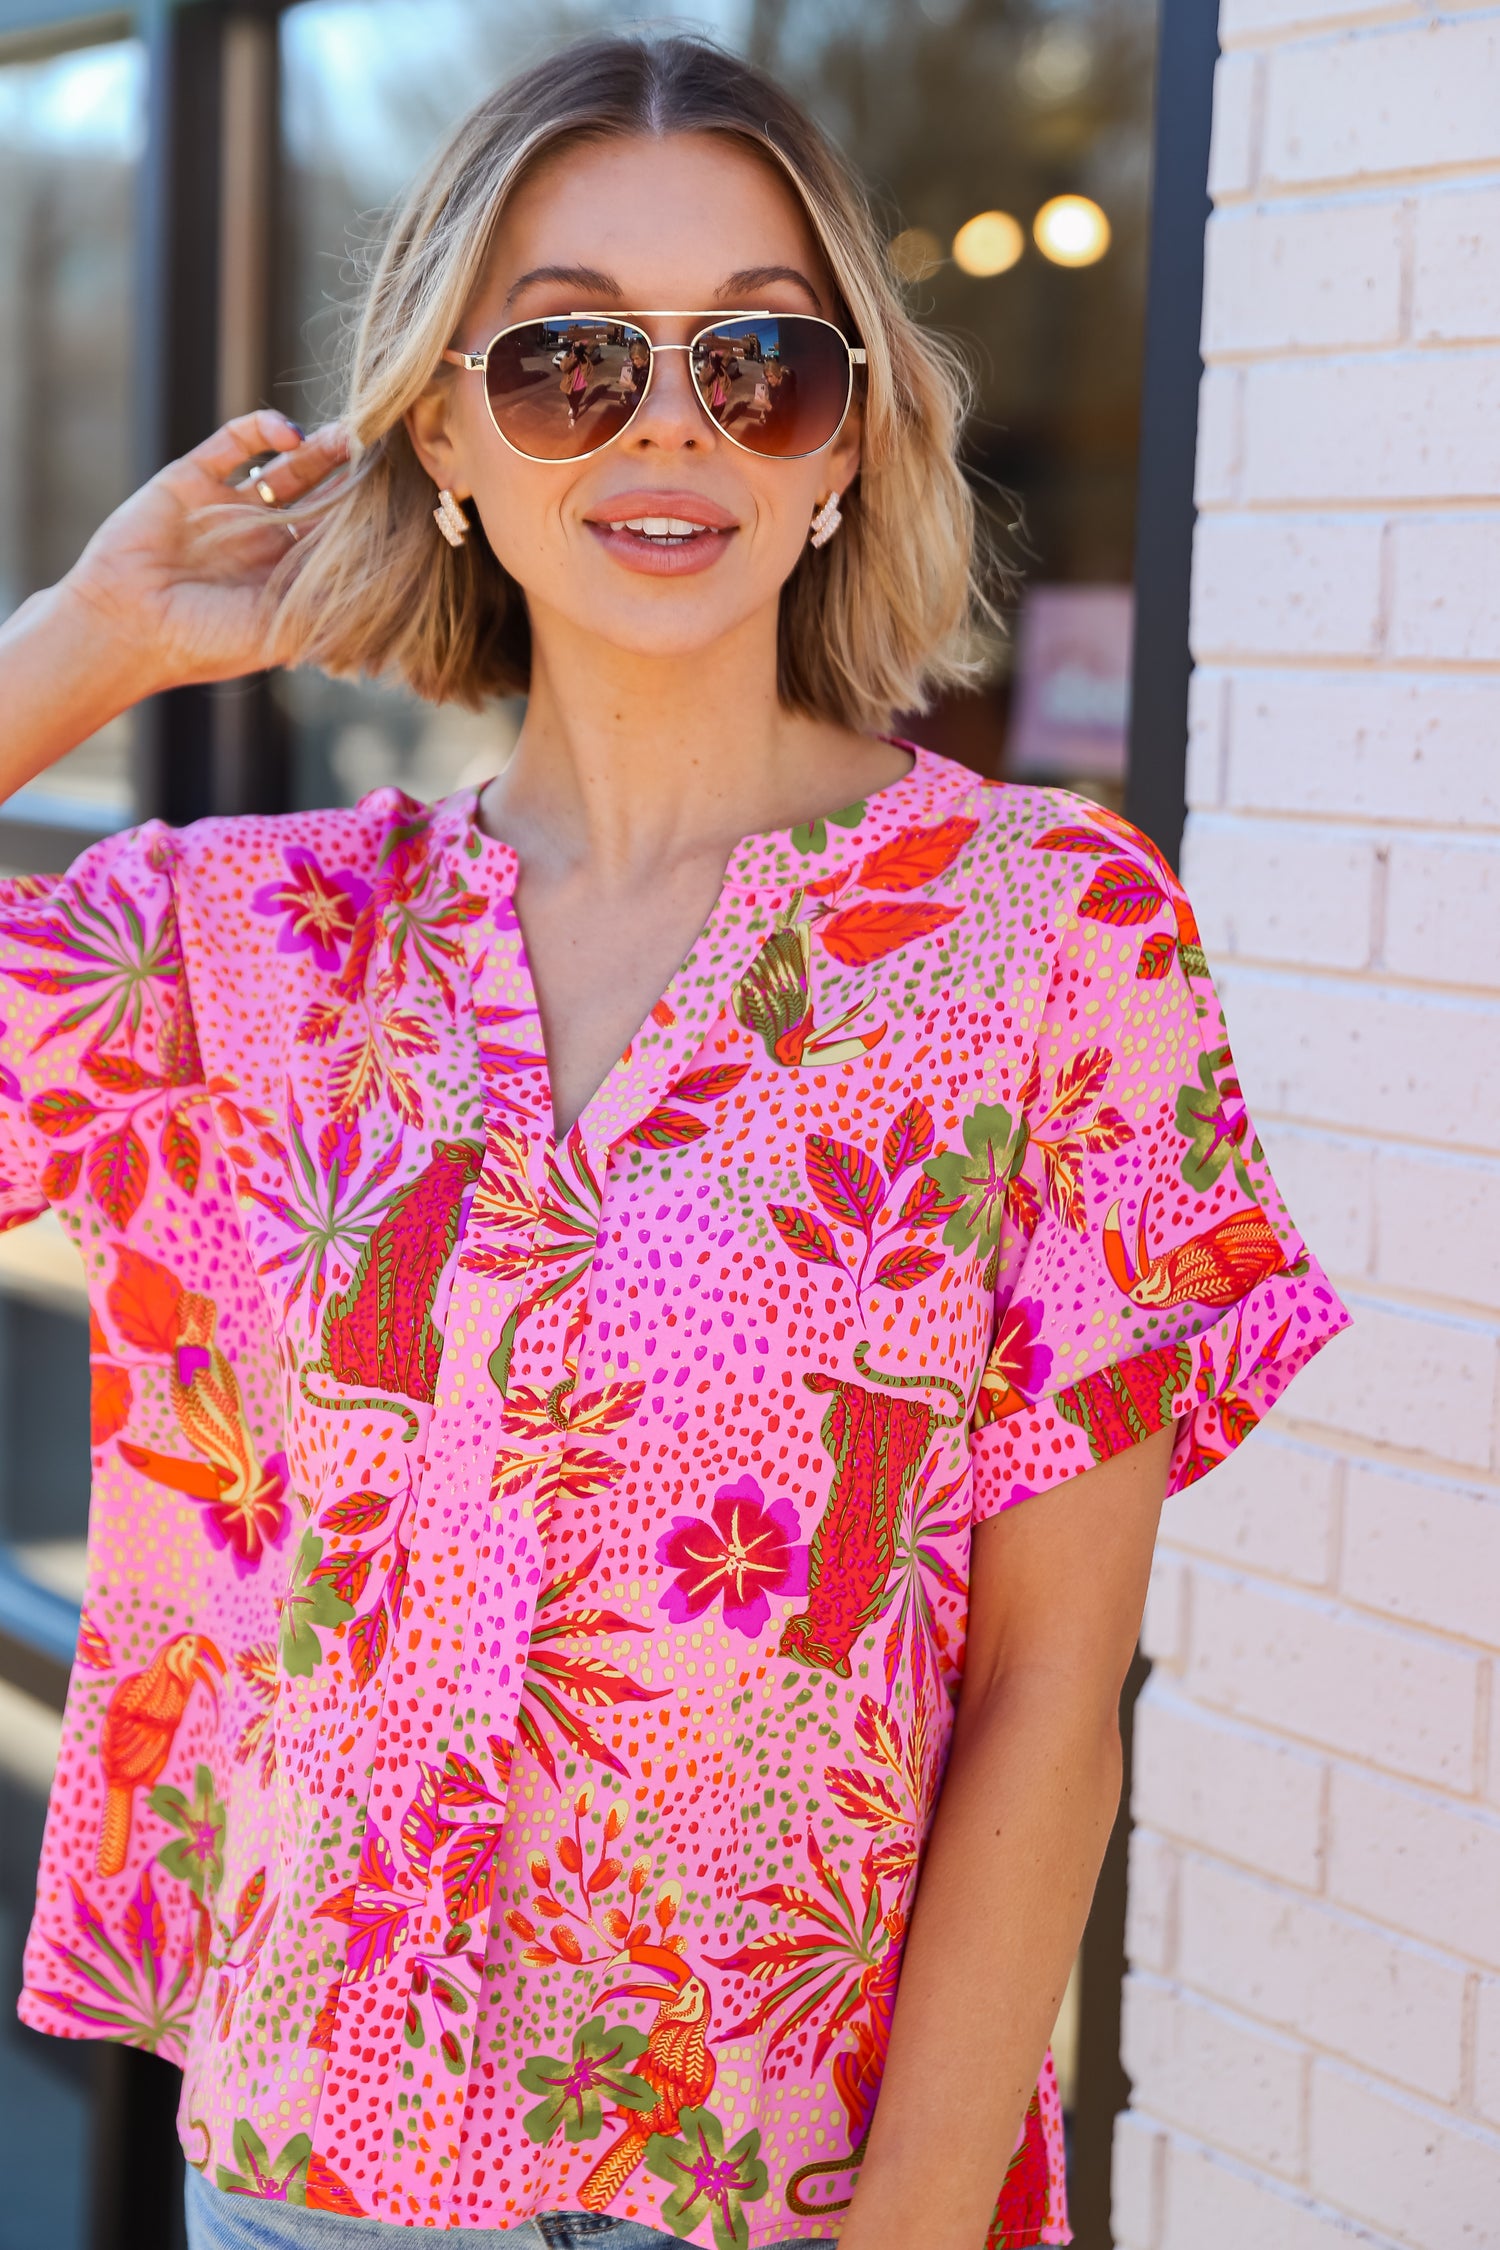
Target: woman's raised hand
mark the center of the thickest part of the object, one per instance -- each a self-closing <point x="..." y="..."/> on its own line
<point x="172" y="588"/>
<point x="181" y="568"/>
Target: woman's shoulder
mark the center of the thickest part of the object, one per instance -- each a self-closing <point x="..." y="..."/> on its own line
<point x="1042" y="840"/>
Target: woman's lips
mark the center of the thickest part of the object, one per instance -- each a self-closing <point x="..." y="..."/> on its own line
<point x="663" y="534"/>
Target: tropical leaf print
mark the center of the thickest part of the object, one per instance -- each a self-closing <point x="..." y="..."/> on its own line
<point x="908" y="1139"/>
<point x="708" y="2180"/>
<point x="574" y="2090"/>
<point x="131" y="1988"/>
<point x="558" y="1677"/>
<point x="849" y="1186"/>
<point x="1156" y="955"/>
<point x="855" y="1193"/>
<point x="857" y="935"/>
<point x="804" y="1234"/>
<point x="919" y="855"/>
<point x="1122" y="893"/>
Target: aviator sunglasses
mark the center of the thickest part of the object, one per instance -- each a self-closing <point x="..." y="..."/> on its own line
<point x="776" y="384"/>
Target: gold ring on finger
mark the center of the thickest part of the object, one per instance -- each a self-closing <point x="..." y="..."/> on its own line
<point x="267" y="492"/>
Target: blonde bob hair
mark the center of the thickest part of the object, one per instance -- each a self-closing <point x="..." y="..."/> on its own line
<point x="871" y="625"/>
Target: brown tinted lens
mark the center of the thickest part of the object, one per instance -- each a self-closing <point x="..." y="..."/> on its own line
<point x="561" y="388"/>
<point x="779" y="383"/>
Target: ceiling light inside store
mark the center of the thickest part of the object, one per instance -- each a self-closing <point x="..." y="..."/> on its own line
<point x="989" y="243"/>
<point x="1071" y="231"/>
<point x="915" y="253"/>
<point x="1056" y="63"/>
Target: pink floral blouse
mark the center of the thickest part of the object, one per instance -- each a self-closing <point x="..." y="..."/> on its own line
<point x="527" y="1579"/>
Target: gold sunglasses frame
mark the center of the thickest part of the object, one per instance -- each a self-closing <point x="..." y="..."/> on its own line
<point x="477" y="363"/>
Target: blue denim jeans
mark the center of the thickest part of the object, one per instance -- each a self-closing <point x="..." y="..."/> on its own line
<point x="237" y="2222"/>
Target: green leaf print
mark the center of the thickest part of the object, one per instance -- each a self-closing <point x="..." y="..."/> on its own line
<point x="1213" y="1118"/>
<point x="196" y="1856"/>
<point x="706" y="2177"/>
<point x="311" y="1601"/>
<point x="811" y="836"/>
<point x="980" y="1181"/>
<point x="574" y="2093"/>
<point x="280" y="2179"/>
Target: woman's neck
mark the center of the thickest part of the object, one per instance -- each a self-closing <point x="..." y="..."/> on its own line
<point x="631" y="763"/>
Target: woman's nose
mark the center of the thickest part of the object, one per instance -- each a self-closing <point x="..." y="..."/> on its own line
<point x="671" y="414"/>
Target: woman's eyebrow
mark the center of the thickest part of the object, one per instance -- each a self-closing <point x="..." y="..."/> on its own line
<point x="587" y="278"/>
<point x="751" y="278"/>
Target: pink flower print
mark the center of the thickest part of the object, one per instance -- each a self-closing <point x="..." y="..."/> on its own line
<point x="1017" y="1369"/>
<point x="321" y="910"/>
<point x="747" y="1550"/>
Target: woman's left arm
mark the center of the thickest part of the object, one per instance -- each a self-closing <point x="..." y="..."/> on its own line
<point x="1057" y="1586"/>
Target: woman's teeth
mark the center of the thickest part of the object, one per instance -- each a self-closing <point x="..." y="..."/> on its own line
<point x="668" y="531"/>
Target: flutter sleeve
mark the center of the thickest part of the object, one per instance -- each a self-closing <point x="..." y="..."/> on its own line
<point x="1148" y="1271"/>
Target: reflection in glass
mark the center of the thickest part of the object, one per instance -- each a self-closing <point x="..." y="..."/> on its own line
<point x="71" y="131"/>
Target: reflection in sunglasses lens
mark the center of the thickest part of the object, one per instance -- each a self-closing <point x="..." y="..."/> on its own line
<point x="779" y="384"/>
<point x="559" y="389"/>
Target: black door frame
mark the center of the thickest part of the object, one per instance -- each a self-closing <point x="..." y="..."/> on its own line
<point x="212" y="750"/>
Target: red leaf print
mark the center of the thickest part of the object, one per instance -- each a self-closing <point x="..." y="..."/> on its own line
<point x="143" y="1299"/>
<point x="181" y="1153"/>
<point x="1122" y="894"/>
<point x="358" y="1511"/>
<point x="919" y="856"/>
<point x="856" y="935"/>
<point x="60" y="1174"/>
<point x="867" y="1798"/>
<point x="110" y="1401"/>
<point x="1156" y="956"/>
<point x="666" y="1128"/>
<point x="319" y="1023"/>
<point x="709" y="1085"/>
<point x="326" y="2021"/>
<point x="119" y="1074"/>
<point x="366" y="1641"/>
<point x="1079" y="1084"/>
<point x="907" y="1269"/>
<point x="848" y="1184"/>
<point x="1077" y="839"/>
<point x="469" y="1873"/>
<point x="93" y="1649"/>
<point x="804" y="1234"/>
<point x="376" y="1928"/>
<point x="249" y="1902"/>
<point x="347" y="1575"/>
<point x="925" y="1204"/>
<point x="117" y="1167"/>
<point x="908" y="1139"/>
<point x="61" y="1111"/>
<point x="423" y="1828"/>
<point x="462" y="1783"/>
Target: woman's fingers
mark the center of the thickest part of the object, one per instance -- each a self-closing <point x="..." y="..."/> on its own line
<point x="293" y="475"/>
<point x="224" y="455"/>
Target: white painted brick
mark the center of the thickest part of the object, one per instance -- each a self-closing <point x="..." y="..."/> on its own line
<point x="1151" y="1902"/>
<point x="1384" y="2002"/>
<point x="1214" y="1782"/>
<point x="1135" y="2182"/>
<point x="1443" y="907"/>
<point x="1222" y="2078"/>
<point x="1426" y="2179"/>
<point x="1282" y="891"/>
<point x="1456" y="282"/>
<point x="1408" y="426"/>
<point x="1336" y="1052"/>
<point x="1309" y="276"/>
<point x="1422" y="1380"/>
<point x="1233" y="154"/>
<point x="1264" y="19"/>
<point x="1212" y="2203"/>
<point x="1208" y="695"/>
<point x="1437" y="1223"/>
<point x="1302" y="586"/>
<point x="1272" y="1507"/>
<point x="1414" y="750"/>
<point x="1328" y="1182"/>
<point x="1217" y="476"/>
<point x="1423" y="1549"/>
<point x="1416" y="1863"/>
<point x="1487" y="2051"/>
<point x="1346" y="1682"/>
<point x="1164" y="1625"/>
<point x="1381" y="102"/>
<point x="1445" y="587"/>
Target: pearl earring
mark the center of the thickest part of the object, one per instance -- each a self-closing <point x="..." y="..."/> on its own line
<point x="826" y="522"/>
<point x="450" y="518"/>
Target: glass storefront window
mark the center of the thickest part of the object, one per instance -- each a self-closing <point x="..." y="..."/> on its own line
<point x="71" y="133"/>
<point x="1007" y="143"/>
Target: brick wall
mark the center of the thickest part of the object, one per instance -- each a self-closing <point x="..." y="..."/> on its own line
<point x="1312" y="2019"/>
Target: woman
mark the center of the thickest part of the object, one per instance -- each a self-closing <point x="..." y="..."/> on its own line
<point x="585" y="1278"/>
